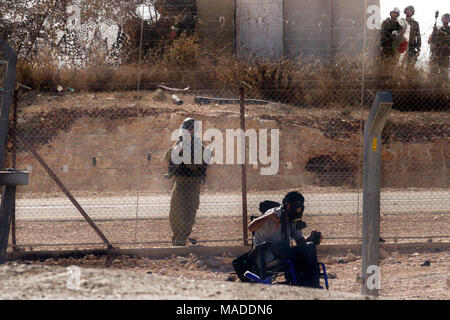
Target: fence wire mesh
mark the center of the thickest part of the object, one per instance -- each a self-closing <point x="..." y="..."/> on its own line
<point x="105" y="115"/>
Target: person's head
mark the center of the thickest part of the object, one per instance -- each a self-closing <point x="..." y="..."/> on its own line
<point x="188" y="124"/>
<point x="294" y="204"/>
<point x="446" y="19"/>
<point x="395" y="13"/>
<point x="409" y="11"/>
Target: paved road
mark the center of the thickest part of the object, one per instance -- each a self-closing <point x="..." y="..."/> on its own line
<point x="213" y="205"/>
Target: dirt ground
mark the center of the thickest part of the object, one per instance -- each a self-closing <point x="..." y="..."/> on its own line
<point x="417" y="275"/>
<point x="223" y="230"/>
<point x="50" y="282"/>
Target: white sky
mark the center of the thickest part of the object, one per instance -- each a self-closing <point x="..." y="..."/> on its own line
<point x="425" y="10"/>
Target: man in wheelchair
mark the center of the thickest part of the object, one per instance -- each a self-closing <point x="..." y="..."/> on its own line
<point x="271" y="251"/>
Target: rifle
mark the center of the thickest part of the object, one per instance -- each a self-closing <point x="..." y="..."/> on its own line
<point x="431" y="38"/>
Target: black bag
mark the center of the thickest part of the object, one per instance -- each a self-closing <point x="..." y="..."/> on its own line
<point x="267" y="204"/>
<point x="242" y="264"/>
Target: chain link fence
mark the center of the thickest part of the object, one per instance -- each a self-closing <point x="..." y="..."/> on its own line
<point x="305" y="77"/>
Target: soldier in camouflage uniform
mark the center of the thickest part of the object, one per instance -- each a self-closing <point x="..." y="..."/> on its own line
<point x="188" y="179"/>
<point x="388" y="27"/>
<point x="415" y="39"/>
<point x="440" y="48"/>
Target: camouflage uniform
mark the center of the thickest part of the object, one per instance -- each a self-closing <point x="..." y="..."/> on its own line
<point x="387" y="28"/>
<point x="415" y="40"/>
<point x="185" y="195"/>
<point x="440" y="42"/>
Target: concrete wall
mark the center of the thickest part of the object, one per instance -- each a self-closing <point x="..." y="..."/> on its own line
<point x="322" y="28"/>
<point x="260" y="28"/>
<point x="307" y="28"/>
<point x="348" y="31"/>
<point x="216" y="22"/>
<point x="312" y="28"/>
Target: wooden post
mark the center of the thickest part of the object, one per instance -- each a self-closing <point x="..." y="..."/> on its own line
<point x="371" y="191"/>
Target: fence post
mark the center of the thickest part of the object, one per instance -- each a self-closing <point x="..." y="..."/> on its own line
<point x="243" y="169"/>
<point x="13" y="165"/>
<point x="8" y="88"/>
<point x="8" y="181"/>
<point x="371" y="191"/>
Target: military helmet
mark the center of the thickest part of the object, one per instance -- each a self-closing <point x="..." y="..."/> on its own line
<point x="396" y="10"/>
<point x="409" y="8"/>
<point x="188" y="124"/>
<point x="446" y="16"/>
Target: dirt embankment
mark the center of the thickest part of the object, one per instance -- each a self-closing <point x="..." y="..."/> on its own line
<point x="50" y="282"/>
<point x="116" y="142"/>
<point x="410" y="273"/>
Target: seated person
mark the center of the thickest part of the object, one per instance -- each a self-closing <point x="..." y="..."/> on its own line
<point x="277" y="226"/>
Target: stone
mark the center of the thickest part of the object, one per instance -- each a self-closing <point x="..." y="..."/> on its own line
<point x="213" y="262"/>
<point x="159" y="96"/>
<point x="234" y="278"/>
<point x="182" y="260"/>
<point x="223" y="268"/>
<point x="426" y="263"/>
<point x="230" y="255"/>
<point x="329" y="260"/>
<point x="350" y="257"/>
<point x="192" y="256"/>
<point x="383" y="254"/>
<point x="90" y="257"/>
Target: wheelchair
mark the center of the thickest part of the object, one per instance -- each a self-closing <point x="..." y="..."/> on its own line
<point x="260" y="266"/>
<point x="267" y="268"/>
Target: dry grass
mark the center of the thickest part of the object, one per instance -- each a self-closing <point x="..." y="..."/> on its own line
<point x="302" y="82"/>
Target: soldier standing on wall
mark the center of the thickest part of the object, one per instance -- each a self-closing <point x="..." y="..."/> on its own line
<point x="415" y="39"/>
<point x="440" y="44"/>
<point x="388" y="27"/>
<point x="188" y="178"/>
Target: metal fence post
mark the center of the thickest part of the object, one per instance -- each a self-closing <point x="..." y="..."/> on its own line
<point x="8" y="88"/>
<point x="8" y="182"/>
<point x="243" y="170"/>
<point x="371" y="190"/>
<point x="13" y="165"/>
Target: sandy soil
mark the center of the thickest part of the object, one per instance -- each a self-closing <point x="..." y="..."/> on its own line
<point x="49" y="282"/>
<point x="206" y="277"/>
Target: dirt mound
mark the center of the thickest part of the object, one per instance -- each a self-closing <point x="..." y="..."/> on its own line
<point x="51" y="282"/>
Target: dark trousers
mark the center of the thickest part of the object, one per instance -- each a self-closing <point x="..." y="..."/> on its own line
<point x="304" y="258"/>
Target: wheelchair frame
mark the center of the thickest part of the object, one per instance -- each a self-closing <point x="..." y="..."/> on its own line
<point x="290" y="270"/>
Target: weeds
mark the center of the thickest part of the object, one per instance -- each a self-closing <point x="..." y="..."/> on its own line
<point x="302" y="82"/>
